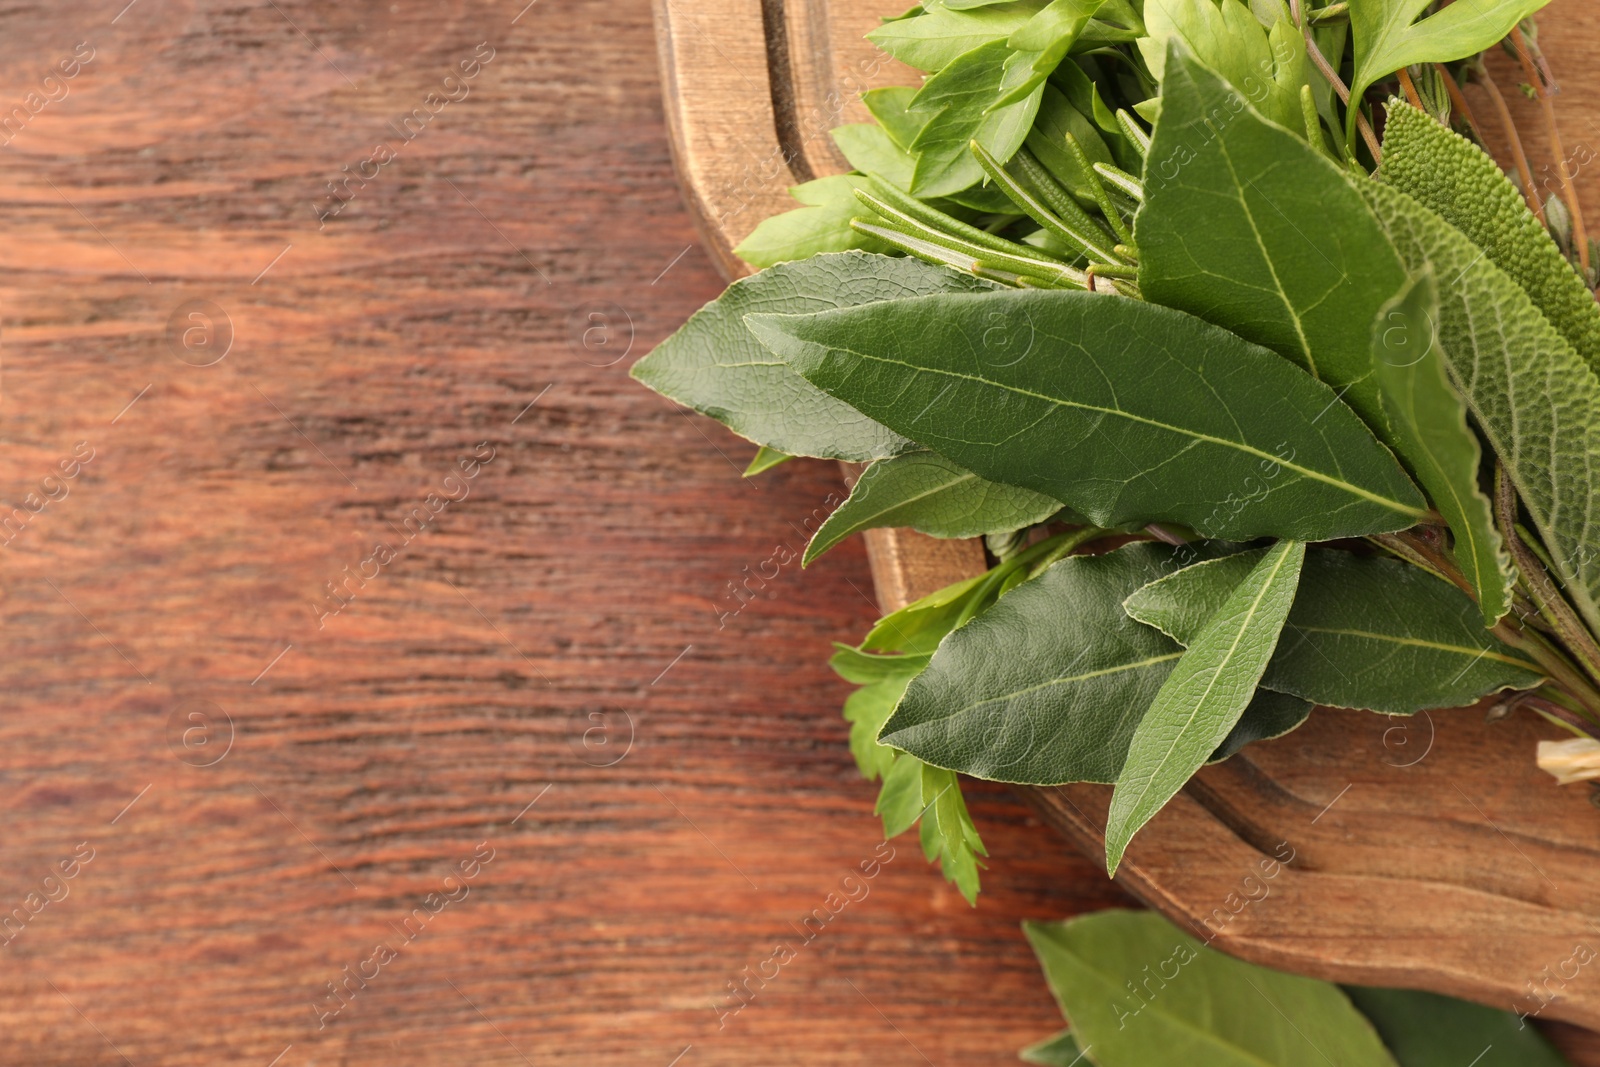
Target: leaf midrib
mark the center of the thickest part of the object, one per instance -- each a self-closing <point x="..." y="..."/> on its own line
<point x="1417" y="642"/>
<point x="1067" y="680"/>
<point x="1239" y="446"/>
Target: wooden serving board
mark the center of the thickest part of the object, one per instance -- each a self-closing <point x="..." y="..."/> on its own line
<point x="1426" y="852"/>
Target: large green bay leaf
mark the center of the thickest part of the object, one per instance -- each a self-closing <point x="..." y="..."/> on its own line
<point x="1429" y="1030"/>
<point x="1206" y="694"/>
<point x="931" y="495"/>
<point x="1126" y="411"/>
<point x="1048" y="685"/>
<point x="713" y="365"/>
<point x="1530" y="392"/>
<point x="1427" y="424"/>
<point x="1365" y="632"/>
<point x="1140" y="991"/>
<point x="1249" y="227"/>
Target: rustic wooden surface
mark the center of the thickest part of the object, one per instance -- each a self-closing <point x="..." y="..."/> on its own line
<point x="521" y="250"/>
<point x="1426" y="853"/>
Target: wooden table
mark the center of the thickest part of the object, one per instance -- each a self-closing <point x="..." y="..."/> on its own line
<point x="486" y="280"/>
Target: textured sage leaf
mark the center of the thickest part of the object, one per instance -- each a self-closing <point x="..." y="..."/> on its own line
<point x="928" y="493"/>
<point x="1128" y="412"/>
<point x="1365" y="632"/>
<point x="1454" y="177"/>
<point x="1427" y="425"/>
<point x="1140" y="991"/>
<point x="957" y="104"/>
<point x="1429" y="1030"/>
<point x="932" y="40"/>
<point x="1046" y="686"/>
<point x="1388" y="35"/>
<point x="1249" y="227"/>
<point x="1205" y="695"/>
<point x="714" y="365"/>
<point x="1530" y="392"/>
<point x="1267" y="66"/>
<point x="821" y="226"/>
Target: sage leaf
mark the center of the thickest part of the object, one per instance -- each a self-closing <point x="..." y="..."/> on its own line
<point x="1140" y="991"/>
<point x="1427" y="425"/>
<point x="931" y="495"/>
<point x="713" y="365"/>
<point x="957" y="103"/>
<point x="1267" y="66"/>
<point x="1365" y="632"/>
<point x="1048" y="685"/>
<point x="1529" y="391"/>
<point x="932" y="40"/>
<point x="1457" y="179"/>
<point x="1249" y="227"/>
<point x="1428" y="1030"/>
<point x="1205" y="695"/>
<point x="1388" y="36"/>
<point x="1127" y="412"/>
<point x="821" y="226"/>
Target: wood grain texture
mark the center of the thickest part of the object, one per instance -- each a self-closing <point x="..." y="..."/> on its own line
<point x="1427" y="852"/>
<point x="521" y="249"/>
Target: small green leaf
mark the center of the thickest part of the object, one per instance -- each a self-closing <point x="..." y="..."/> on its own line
<point x="1429" y="1030"/>
<point x="1267" y="66"/>
<point x="1448" y="173"/>
<point x="714" y="365"/>
<point x="1204" y="696"/>
<point x="864" y="668"/>
<point x="1139" y="991"/>
<point x="948" y="833"/>
<point x="765" y="459"/>
<point x="956" y="102"/>
<point x="1249" y="227"/>
<point x="823" y="225"/>
<point x="866" y="710"/>
<point x="933" y="40"/>
<point x="1365" y="632"/>
<point x="1388" y="36"/>
<point x="1127" y="412"/>
<point x="1427" y="426"/>
<point x="1041" y="44"/>
<point x="869" y="149"/>
<point x="931" y="495"/>
<point x="1048" y="141"/>
<point x="1060" y="1050"/>
<point x="891" y="107"/>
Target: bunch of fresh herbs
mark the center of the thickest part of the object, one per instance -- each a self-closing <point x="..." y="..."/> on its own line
<point x="1268" y="388"/>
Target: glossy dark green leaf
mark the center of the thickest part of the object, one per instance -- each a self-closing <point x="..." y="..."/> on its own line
<point x="1139" y="991"/>
<point x="714" y="365"/>
<point x="1529" y="391"/>
<point x="1427" y="425"/>
<point x="1205" y="695"/>
<point x="1127" y="412"/>
<point x="1249" y="227"/>
<point x="929" y="494"/>
<point x="957" y="104"/>
<point x="1048" y="685"/>
<point x="1365" y="632"/>
<point x="1429" y="1030"/>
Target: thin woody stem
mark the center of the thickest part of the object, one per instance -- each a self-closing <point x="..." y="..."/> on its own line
<point x="1580" y="236"/>
<point x="1480" y="73"/>
<point x="1411" y="89"/>
<point x="1552" y="605"/>
<point x="1327" y="71"/>
<point x="1458" y="99"/>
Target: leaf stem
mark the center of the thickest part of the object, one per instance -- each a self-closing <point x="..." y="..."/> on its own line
<point x="1410" y="89"/>
<point x="1459" y="99"/>
<point x="1481" y="75"/>
<point x="1320" y="61"/>
<point x="1551" y="604"/>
